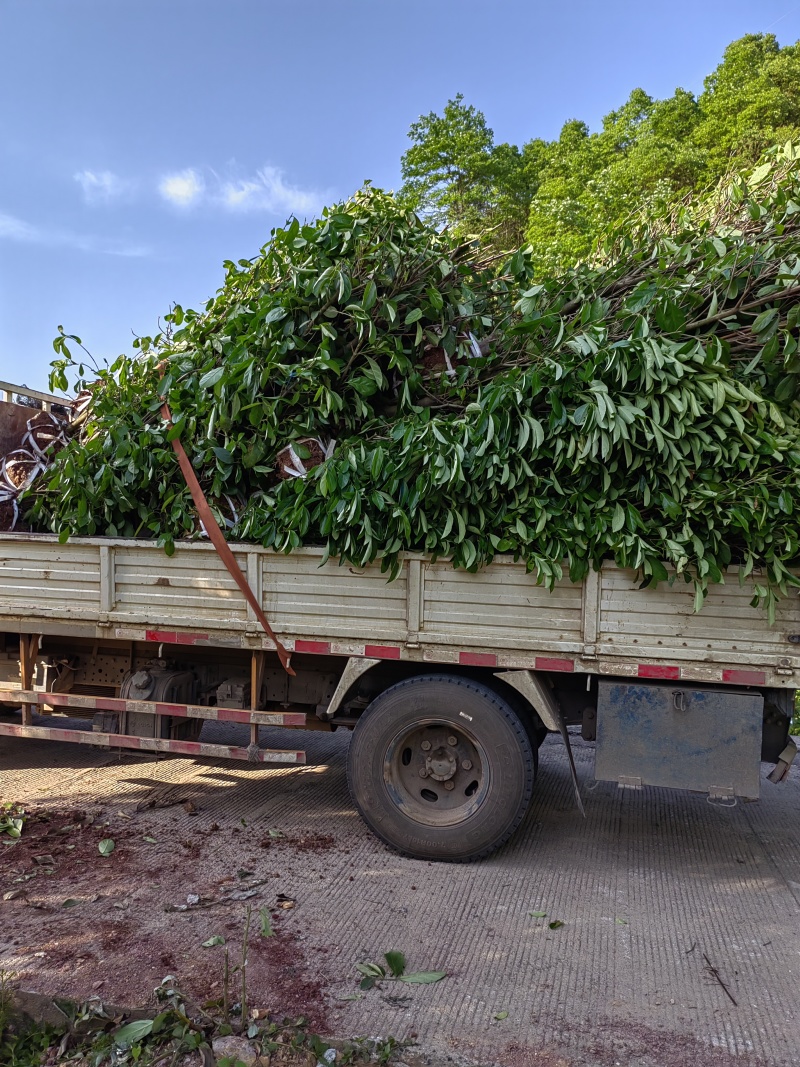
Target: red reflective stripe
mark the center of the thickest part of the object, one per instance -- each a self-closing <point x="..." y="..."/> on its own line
<point x="745" y="677"/>
<point x="545" y="663"/>
<point x="657" y="670"/>
<point x="319" y="648"/>
<point x="65" y="700"/>
<point x="381" y="652"/>
<point x="477" y="659"/>
<point x="171" y="637"/>
<point x="190" y="639"/>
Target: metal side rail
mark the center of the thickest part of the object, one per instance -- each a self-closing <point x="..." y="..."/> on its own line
<point x="253" y="754"/>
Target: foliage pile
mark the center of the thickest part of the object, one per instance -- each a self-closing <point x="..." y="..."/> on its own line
<point x="644" y="409"/>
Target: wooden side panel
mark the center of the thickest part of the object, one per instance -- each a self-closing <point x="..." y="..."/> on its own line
<point x="430" y="612"/>
<point x="500" y="606"/>
<point x="190" y="588"/>
<point x="47" y="578"/>
<point x="302" y="598"/>
<point x="653" y="622"/>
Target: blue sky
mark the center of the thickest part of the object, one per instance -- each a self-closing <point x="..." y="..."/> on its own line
<point x="142" y="142"/>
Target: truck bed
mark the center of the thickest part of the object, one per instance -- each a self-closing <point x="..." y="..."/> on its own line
<point x="499" y="617"/>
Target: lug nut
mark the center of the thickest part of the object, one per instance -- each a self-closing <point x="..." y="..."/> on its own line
<point x="452" y="741"/>
<point x="426" y="746"/>
<point x="423" y="772"/>
<point x="449" y="785"/>
<point x="466" y="764"/>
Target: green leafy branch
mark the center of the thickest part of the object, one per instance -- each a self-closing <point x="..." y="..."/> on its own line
<point x="395" y="971"/>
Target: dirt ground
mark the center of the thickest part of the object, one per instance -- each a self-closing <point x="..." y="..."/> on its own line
<point x="116" y="925"/>
<point x="653" y="890"/>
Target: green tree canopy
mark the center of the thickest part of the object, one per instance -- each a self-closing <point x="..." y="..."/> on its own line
<point x="561" y="196"/>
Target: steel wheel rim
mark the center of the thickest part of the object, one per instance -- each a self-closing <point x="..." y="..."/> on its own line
<point x="456" y="780"/>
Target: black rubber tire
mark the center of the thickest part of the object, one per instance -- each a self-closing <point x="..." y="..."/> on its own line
<point x="472" y="709"/>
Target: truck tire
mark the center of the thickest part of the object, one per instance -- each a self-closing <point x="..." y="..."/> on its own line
<point x="441" y="768"/>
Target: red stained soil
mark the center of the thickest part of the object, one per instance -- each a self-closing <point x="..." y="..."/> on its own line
<point x="120" y="932"/>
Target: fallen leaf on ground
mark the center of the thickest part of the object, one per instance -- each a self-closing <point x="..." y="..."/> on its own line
<point x="266" y="923"/>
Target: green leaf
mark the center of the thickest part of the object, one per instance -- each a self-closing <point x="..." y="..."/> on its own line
<point x="423" y="977"/>
<point x="556" y="924"/>
<point x="641" y="297"/>
<point x="217" y="939"/>
<point x="396" y="962"/>
<point x="413" y="316"/>
<point x="537" y="914"/>
<point x="370" y="295"/>
<point x="106" y="846"/>
<point x="765" y="320"/>
<point x="500" y="1015"/>
<point x="760" y="173"/>
<point x="266" y="923"/>
<point x="132" y="1033"/>
<point x="211" y="377"/>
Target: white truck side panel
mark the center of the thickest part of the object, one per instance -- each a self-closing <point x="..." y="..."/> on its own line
<point x="116" y="588"/>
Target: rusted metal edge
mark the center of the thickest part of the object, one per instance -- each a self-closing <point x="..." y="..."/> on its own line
<point x="151" y="707"/>
<point x="198" y="749"/>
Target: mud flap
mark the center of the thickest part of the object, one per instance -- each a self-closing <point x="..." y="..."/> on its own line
<point x="781" y="769"/>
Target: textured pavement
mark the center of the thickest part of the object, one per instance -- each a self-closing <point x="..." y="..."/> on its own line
<point x="653" y="889"/>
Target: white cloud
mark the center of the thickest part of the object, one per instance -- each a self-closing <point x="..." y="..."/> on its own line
<point x="14" y="229"/>
<point x="268" y="191"/>
<point x="184" y="188"/>
<point x="101" y="186"/>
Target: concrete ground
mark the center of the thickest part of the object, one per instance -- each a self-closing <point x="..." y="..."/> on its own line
<point x="653" y="889"/>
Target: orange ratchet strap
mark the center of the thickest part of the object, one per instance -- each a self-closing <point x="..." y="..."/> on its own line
<point x="217" y="539"/>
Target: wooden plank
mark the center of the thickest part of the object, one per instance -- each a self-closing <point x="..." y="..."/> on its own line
<point x="106" y="578"/>
<point x="28" y="650"/>
<point x="415" y="594"/>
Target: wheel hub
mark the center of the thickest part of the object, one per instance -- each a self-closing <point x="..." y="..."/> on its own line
<point x="436" y="772"/>
<point x="441" y="765"/>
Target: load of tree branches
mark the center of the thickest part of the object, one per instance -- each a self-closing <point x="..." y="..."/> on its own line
<point x="642" y="409"/>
